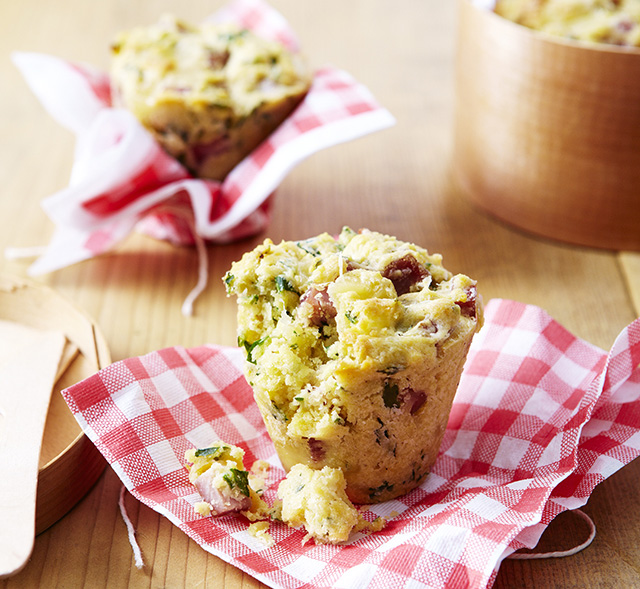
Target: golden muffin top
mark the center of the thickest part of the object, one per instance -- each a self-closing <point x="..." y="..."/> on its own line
<point x="214" y="64"/>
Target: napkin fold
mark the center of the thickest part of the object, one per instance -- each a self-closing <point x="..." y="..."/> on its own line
<point x="122" y="180"/>
<point x="540" y="418"/>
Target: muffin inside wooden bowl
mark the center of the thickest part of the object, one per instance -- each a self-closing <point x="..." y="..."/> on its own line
<point x="614" y="22"/>
<point x="547" y="127"/>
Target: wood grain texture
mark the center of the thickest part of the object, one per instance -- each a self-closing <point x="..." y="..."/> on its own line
<point x="399" y="181"/>
<point x="27" y="374"/>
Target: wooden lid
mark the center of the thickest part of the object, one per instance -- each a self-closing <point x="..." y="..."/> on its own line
<point x="547" y="131"/>
<point x="69" y="462"/>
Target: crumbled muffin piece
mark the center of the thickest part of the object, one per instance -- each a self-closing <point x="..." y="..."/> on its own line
<point x="219" y="475"/>
<point x="260" y="530"/>
<point x="313" y="499"/>
<point x="317" y="501"/>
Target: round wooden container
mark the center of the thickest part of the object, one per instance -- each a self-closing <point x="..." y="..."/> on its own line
<point x="69" y="462"/>
<point x="547" y="131"/>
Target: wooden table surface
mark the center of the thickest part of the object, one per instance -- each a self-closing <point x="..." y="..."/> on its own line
<point x="397" y="181"/>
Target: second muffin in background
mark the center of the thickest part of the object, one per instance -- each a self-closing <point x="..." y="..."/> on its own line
<point x="209" y="94"/>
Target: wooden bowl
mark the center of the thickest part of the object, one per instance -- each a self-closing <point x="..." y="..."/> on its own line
<point x="69" y="462"/>
<point x="547" y="131"/>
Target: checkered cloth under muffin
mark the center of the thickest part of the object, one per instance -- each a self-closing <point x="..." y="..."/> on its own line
<point x="540" y="418"/>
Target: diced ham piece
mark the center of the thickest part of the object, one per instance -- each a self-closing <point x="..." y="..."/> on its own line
<point x="222" y="499"/>
<point x="413" y="400"/>
<point x="429" y="326"/>
<point x="322" y="309"/>
<point x="317" y="449"/>
<point x="468" y="307"/>
<point x="218" y="59"/>
<point x="203" y="151"/>
<point x="404" y="273"/>
<point x="351" y="265"/>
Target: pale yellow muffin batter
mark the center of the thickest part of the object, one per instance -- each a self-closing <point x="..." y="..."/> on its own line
<point x="316" y="500"/>
<point x="355" y="346"/>
<point x="615" y="22"/>
<point x="209" y="94"/>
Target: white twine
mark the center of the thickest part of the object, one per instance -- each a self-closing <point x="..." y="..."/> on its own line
<point x="137" y="553"/>
<point x="560" y="553"/>
<point x="203" y="275"/>
<point x="19" y="253"/>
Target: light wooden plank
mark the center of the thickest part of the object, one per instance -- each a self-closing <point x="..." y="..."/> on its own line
<point x="630" y="263"/>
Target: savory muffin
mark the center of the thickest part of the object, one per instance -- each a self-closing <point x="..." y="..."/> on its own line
<point x="615" y="22"/>
<point x="209" y="94"/>
<point x="355" y="346"/>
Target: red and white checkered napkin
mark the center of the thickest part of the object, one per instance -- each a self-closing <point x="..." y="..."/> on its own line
<point x="121" y="179"/>
<point x="540" y="418"/>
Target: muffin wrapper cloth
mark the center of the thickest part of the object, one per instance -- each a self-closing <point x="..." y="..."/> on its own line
<point x="121" y="179"/>
<point x="540" y="418"/>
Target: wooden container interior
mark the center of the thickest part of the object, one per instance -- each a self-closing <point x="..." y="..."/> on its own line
<point x="69" y="462"/>
<point x="547" y="131"/>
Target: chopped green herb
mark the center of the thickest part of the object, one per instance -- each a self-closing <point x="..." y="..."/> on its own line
<point x="283" y="284"/>
<point x="238" y="478"/>
<point x="307" y="248"/>
<point x="214" y="451"/>
<point x="230" y="36"/>
<point x="228" y="280"/>
<point x="351" y="318"/>
<point x="391" y="369"/>
<point x="250" y="347"/>
<point x="390" y="394"/>
<point x="277" y="412"/>
<point x="382" y="434"/>
<point x="377" y="491"/>
<point x="299" y="399"/>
